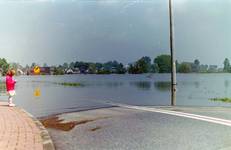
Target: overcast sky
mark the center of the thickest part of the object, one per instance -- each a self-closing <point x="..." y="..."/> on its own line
<point x="57" y="31"/>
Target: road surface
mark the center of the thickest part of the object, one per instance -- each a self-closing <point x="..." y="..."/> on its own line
<point x="124" y="128"/>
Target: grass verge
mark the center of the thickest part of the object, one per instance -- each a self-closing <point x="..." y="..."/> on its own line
<point x="225" y="99"/>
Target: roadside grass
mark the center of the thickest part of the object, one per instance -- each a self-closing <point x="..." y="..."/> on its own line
<point x="2" y="86"/>
<point x="225" y="99"/>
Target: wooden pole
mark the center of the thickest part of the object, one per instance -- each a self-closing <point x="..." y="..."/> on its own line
<point x="173" y="62"/>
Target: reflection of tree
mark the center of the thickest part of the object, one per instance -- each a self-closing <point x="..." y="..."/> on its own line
<point x="37" y="92"/>
<point x="226" y="84"/>
<point x="163" y="85"/>
<point x="113" y="84"/>
<point x="197" y="84"/>
<point x="143" y="85"/>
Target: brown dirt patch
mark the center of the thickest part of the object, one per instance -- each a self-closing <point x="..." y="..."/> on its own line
<point x="56" y="123"/>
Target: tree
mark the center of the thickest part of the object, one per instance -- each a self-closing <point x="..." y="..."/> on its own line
<point x="164" y="63"/>
<point x="14" y="66"/>
<point x="99" y="66"/>
<point x="65" y="66"/>
<point x="58" y="70"/>
<point x="45" y="65"/>
<point x="4" y="66"/>
<point x="108" y="66"/>
<point x="120" y="69"/>
<point x="132" y="69"/>
<point x="154" y="68"/>
<point x="72" y="65"/>
<point x="113" y="67"/>
<point x="185" y="68"/>
<point x="144" y="65"/>
<point x="226" y="65"/>
<point x="83" y="66"/>
<point x="197" y="62"/>
<point x="33" y="65"/>
<point x="177" y="66"/>
<point x="27" y="66"/>
<point x="92" y="68"/>
<point x="196" y="66"/>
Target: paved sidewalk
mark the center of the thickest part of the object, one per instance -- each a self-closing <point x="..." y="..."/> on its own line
<point x="18" y="131"/>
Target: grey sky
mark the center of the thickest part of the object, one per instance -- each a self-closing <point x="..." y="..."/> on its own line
<point x="57" y="31"/>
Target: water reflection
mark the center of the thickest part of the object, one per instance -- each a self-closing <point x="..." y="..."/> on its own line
<point x="197" y="84"/>
<point x="113" y="84"/>
<point x="37" y="92"/>
<point x="163" y="85"/>
<point x="226" y="84"/>
<point x="102" y="84"/>
<point x="51" y="97"/>
<point x="143" y="85"/>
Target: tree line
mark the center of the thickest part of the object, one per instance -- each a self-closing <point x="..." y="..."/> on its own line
<point x="160" y="64"/>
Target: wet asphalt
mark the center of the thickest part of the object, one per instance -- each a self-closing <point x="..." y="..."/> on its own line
<point x="127" y="129"/>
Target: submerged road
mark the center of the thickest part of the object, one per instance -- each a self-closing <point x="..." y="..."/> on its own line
<point x="145" y="128"/>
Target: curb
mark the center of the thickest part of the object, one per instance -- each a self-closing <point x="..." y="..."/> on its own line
<point x="46" y="139"/>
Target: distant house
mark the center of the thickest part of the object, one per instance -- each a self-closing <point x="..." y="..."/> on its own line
<point x="203" y="68"/>
<point x="76" y="70"/>
<point x="126" y="67"/>
<point x="43" y="71"/>
<point x="220" y="69"/>
<point x="52" y="70"/>
<point x="69" y="71"/>
<point x="113" y="70"/>
<point x="213" y="68"/>
<point x="20" y="72"/>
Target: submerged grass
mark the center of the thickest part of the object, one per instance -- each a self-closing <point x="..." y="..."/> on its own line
<point x="76" y="84"/>
<point x="225" y="99"/>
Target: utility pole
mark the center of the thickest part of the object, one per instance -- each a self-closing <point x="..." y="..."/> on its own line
<point x="173" y="62"/>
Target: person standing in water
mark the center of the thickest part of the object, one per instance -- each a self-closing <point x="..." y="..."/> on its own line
<point x="10" y="86"/>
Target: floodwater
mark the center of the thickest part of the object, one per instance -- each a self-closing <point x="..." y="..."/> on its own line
<point x="41" y="96"/>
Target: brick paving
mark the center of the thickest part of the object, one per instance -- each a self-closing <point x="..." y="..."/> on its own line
<point x="17" y="130"/>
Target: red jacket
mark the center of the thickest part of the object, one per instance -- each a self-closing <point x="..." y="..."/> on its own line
<point x="10" y="83"/>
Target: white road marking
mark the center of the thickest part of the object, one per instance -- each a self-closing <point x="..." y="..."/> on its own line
<point x="180" y="114"/>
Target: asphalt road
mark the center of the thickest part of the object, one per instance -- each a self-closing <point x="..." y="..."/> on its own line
<point x="129" y="129"/>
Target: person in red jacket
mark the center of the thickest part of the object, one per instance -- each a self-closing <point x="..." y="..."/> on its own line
<point x="10" y="85"/>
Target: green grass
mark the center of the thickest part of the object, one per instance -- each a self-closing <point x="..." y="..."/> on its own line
<point x="75" y="84"/>
<point x="2" y="85"/>
<point x="225" y="99"/>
